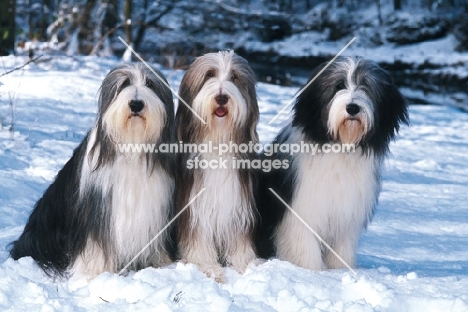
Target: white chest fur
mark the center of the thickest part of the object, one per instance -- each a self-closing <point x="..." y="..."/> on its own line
<point x="140" y="205"/>
<point x="221" y="211"/>
<point x="138" y="202"/>
<point x="334" y="190"/>
<point x="335" y="195"/>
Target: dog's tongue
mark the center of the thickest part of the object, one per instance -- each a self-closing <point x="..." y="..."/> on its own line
<point x="221" y="111"/>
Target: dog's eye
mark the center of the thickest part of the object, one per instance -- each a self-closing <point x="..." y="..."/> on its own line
<point x="233" y="77"/>
<point x="125" y="84"/>
<point x="150" y="84"/>
<point x="210" y="74"/>
<point x="340" y="86"/>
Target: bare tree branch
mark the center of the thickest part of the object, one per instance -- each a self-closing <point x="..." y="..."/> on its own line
<point x="101" y="40"/>
<point x="141" y="31"/>
<point x="19" y="67"/>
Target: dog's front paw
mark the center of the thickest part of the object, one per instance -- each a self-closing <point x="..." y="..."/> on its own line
<point x="214" y="271"/>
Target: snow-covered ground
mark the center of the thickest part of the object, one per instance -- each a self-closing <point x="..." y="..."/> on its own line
<point x="413" y="257"/>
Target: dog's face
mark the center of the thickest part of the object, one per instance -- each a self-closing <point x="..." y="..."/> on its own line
<point x="134" y="105"/>
<point x="352" y="101"/>
<point x="220" y="88"/>
<point x="351" y="108"/>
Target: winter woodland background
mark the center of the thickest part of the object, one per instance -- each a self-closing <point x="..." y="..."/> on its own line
<point x="173" y="32"/>
<point x="414" y="254"/>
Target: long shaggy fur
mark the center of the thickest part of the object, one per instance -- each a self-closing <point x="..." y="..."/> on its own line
<point x="352" y="101"/>
<point x="217" y="228"/>
<point x="105" y="205"/>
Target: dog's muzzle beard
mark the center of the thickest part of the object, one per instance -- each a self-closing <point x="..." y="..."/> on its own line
<point x="136" y="116"/>
<point x="136" y="106"/>
<point x="136" y="121"/>
<point x="221" y="105"/>
<point x="220" y="109"/>
<point x="350" y="119"/>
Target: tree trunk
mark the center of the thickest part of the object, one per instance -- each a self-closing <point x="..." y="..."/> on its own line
<point x="379" y="12"/>
<point x="128" y="20"/>
<point x="7" y="27"/>
<point x="86" y="28"/>
<point x="397" y="5"/>
<point x="111" y="17"/>
<point x="142" y="28"/>
<point x="46" y="16"/>
<point x="31" y="22"/>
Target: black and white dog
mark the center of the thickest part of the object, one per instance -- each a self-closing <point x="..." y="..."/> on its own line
<point x="217" y="228"/>
<point x="352" y="103"/>
<point x="106" y="204"/>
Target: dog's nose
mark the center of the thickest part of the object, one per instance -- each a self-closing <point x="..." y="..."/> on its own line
<point x="221" y="99"/>
<point x="136" y="106"/>
<point x="352" y="109"/>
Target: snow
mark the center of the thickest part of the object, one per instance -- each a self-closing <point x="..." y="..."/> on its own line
<point x="413" y="256"/>
<point x="439" y="51"/>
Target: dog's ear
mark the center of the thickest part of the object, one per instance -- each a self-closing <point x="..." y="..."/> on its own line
<point x="194" y="79"/>
<point x="309" y="111"/>
<point x="111" y="85"/>
<point x="395" y="105"/>
<point x="392" y="109"/>
<point x="165" y="95"/>
<point x="191" y="84"/>
<point x="162" y="86"/>
<point x="247" y="84"/>
<point x="182" y="119"/>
